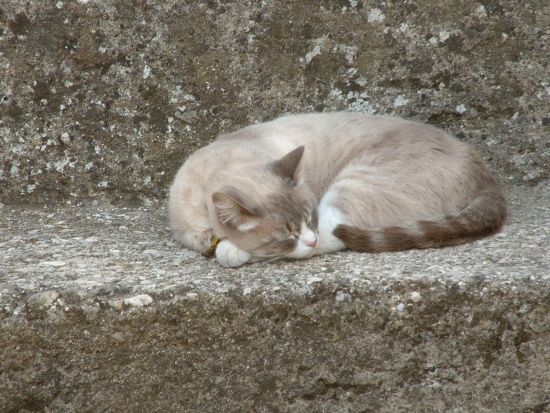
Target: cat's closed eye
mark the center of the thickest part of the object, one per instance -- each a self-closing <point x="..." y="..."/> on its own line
<point x="292" y="229"/>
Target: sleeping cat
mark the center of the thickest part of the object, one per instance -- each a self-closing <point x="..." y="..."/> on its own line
<point x="311" y="184"/>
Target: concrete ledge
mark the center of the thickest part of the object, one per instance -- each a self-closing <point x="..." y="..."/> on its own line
<point x="101" y="311"/>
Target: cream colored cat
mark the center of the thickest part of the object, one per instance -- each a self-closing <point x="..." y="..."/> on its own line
<point x="311" y="184"/>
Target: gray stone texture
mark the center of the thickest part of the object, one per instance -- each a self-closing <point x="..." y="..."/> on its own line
<point x="100" y="311"/>
<point x="108" y="97"/>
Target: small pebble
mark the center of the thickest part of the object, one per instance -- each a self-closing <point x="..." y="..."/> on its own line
<point x="42" y="300"/>
<point x="55" y="314"/>
<point x="340" y="296"/>
<point x="415" y="297"/>
<point x="400" y="307"/>
<point x="139" y="300"/>
<point x="99" y="290"/>
<point x="312" y="280"/>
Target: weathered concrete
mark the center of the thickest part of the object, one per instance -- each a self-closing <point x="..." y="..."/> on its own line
<point x="101" y="311"/>
<point x="108" y="97"/>
<point x="100" y="102"/>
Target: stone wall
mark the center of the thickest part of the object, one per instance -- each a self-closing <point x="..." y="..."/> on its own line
<point x="104" y="99"/>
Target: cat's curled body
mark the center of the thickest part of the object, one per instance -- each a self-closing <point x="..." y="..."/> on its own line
<point x="310" y="184"/>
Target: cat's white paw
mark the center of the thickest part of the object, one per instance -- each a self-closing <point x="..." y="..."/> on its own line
<point x="230" y="255"/>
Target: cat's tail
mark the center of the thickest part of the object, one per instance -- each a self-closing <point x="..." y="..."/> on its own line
<point x="483" y="216"/>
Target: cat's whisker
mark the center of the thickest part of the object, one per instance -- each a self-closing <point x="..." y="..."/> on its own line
<point x="280" y="257"/>
<point x="272" y="258"/>
<point x="267" y="255"/>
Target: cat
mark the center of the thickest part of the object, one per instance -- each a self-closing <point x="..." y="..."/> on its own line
<point x="309" y="184"/>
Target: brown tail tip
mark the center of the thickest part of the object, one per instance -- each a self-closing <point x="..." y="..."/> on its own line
<point x="387" y="239"/>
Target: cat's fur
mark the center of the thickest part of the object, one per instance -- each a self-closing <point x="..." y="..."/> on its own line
<point x="310" y="184"/>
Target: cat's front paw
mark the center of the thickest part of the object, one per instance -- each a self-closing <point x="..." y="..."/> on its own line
<point x="230" y="255"/>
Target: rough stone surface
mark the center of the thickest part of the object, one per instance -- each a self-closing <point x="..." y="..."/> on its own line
<point x="106" y="98"/>
<point x="463" y="329"/>
<point x="100" y="311"/>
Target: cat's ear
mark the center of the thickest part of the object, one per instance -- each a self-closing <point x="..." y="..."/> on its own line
<point x="287" y="165"/>
<point x="233" y="213"/>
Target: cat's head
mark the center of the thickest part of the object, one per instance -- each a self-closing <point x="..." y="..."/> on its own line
<point x="268" y="213"/>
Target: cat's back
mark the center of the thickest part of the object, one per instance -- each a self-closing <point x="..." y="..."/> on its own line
<point x="338" y="132"/>
<point x="317" y="126"/>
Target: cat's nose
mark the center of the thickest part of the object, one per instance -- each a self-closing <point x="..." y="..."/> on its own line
<point x="312" y="243"/>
